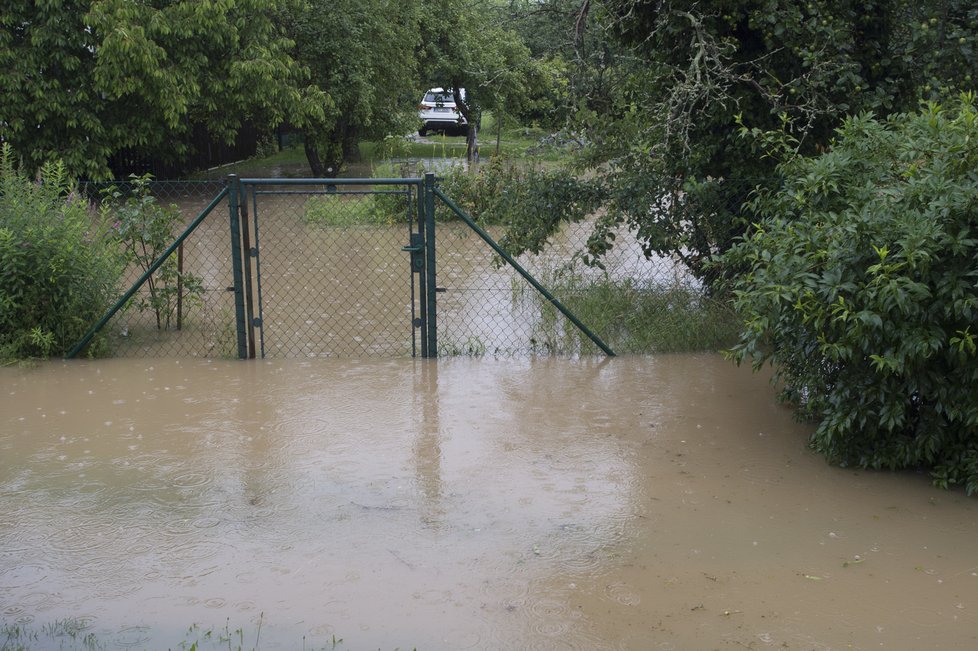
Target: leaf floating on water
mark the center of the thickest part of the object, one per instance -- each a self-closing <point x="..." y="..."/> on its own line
<point x="855" y="560"/>
<point x="811" y="577"/>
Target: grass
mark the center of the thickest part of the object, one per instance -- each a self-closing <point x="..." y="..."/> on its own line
<point x="515" y="143"/>
<point x="290" y="163"/>
<point x="74" y="635"/>
<point x="632" y="319"/>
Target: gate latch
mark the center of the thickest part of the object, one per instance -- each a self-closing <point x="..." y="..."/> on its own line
<point x="416" y="249"/>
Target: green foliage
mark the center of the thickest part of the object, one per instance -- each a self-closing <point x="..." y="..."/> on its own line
<point x="361" y="55"/>
<point x="529" y="201"/>
<point x="861" y="287"/>
<point x="59" y="264"/>
<point x="634" y="318"/>
<point x="660" y="86"/>
<point x="81" y="80"/>
<point x="146" y="229"/>
<point x="469" y="45"/>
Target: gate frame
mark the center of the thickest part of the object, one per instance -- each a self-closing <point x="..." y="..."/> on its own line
<point x="423" y="246"/>
<point x="423" y="219"/>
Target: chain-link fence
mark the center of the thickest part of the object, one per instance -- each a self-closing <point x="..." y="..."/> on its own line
<point x="331" y="278"/>
<point x="324" y="268"/>
<point x="634" y="301"/>
<point x="329" y="272"/>
<point x="184" y="309"/>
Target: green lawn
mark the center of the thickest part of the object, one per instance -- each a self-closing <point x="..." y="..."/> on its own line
<point x="516" y="144"/>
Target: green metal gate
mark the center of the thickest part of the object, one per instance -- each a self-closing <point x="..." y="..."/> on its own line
<point x="323" y="268"/>
<point x="294" y="242"/>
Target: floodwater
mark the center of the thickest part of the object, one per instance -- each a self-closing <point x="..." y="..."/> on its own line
<point x="630" y="503"/>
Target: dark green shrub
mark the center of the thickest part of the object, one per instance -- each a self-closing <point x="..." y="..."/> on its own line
<point x="59" y="263"/>
<point x="861" y="287"/>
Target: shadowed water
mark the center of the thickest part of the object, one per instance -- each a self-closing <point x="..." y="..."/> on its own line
<point x="631" y="503"/>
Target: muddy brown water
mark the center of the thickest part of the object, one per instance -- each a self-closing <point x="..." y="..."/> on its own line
<point x="633" y="503"/>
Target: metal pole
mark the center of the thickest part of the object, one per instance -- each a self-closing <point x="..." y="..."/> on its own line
<point x="431" y="281"/>
<point x="180" y="287"/>
<point x="236" y="265"/>
<point x="247" y="264"/>
<point x="422" y="293"/>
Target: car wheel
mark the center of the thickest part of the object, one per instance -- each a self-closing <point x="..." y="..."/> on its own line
<point x="423" y="131"/>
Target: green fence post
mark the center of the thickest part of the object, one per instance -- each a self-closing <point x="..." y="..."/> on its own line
<point x="234" y="190"/>
<point x="431" y="282"/>
<point x="422" y="324"/>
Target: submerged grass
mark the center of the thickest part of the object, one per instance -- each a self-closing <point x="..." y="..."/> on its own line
<point x="633" y="319"/>
<point x="75" y="635"/>
<point x="361" y="209"/>
<point x="64" y="634"/>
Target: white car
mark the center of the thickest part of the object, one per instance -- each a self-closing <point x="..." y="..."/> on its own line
<point x="439" y="114"/>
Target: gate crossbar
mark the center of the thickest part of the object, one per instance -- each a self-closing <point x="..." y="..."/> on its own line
<point x="523" y="272"/>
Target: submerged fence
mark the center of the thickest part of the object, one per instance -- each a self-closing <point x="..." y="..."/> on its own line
<point x="337" y="270"/>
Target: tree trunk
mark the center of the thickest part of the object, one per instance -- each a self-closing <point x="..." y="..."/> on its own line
<point x="472" y="132"/>
<point x="351" y="144"/>
<point x="323" y="165"/>
<point x="472" y="144"/>
<point x="312" y="155"/>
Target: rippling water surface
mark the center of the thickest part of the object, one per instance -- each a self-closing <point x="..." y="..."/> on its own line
<point x="632" y="503"/>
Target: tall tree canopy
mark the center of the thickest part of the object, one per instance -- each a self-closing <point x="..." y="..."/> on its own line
<point x="362" y="55"/>
<point x="468" y="45"/>
<point x="81" y="80"/>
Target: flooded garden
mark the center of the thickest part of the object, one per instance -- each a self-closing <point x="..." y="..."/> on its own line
<point x="640" y="502"/>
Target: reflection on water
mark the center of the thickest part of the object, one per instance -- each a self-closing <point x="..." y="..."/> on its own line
<point x="630" y="503"/>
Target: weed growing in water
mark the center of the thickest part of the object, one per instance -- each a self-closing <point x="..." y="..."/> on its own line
<point x="634" y="318"/>
<point x="63" y="634"/>
<point x="146" y="229"/>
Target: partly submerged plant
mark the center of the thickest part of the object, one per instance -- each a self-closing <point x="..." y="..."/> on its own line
<point x="59" y="264"/>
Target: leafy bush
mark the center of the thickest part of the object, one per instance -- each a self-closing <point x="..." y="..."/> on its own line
<point x="530" y="202"/>
<point x="861" y="287"/>
<point x="59" y="264"/>
<point x="145" y="228"/>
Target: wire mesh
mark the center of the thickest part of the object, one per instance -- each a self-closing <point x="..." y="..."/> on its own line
<point x="186" y="309"/>
<point x="332" y="278"/>
<point x="634" y="302"/>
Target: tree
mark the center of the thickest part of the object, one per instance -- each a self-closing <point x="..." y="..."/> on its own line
<point x="361" y="54"/>
<point x="673" y="125"/>
<point x="859" y="285"/>
<point x="466" y="46"/>
<point x="83" y="79"/>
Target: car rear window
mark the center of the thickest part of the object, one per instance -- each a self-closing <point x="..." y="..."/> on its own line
<point x="443" y="98"/>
